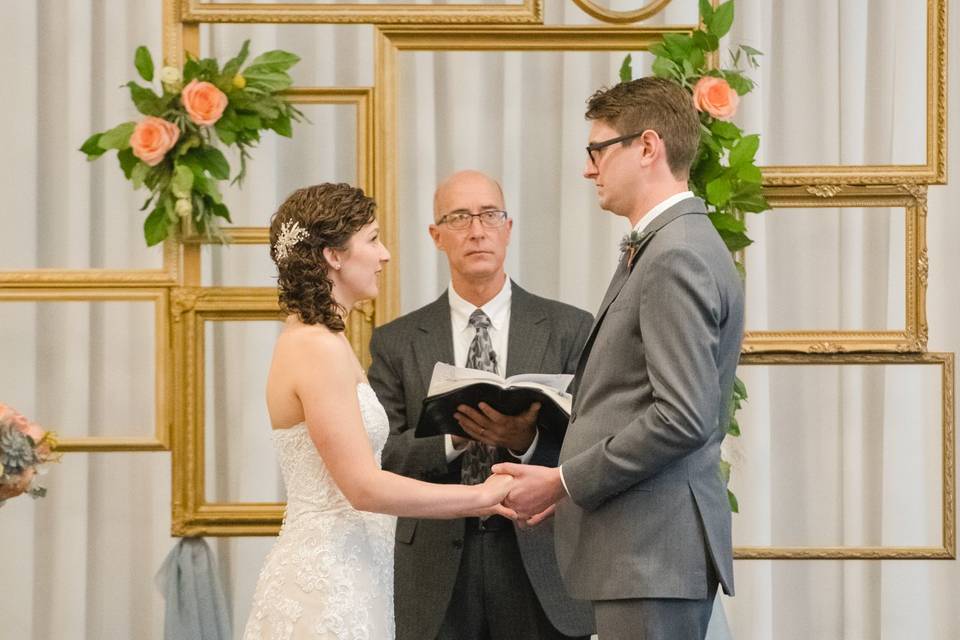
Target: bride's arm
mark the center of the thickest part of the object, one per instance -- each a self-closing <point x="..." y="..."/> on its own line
<point x="328" y="392"/>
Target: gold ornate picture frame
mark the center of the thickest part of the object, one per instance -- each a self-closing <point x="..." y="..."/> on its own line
<point x="913" y="336"/>
<point x="525" y="12"/>
<point x="163" y="376"/>
<point x="934" y="168"/>
<point x="948" y="547"/>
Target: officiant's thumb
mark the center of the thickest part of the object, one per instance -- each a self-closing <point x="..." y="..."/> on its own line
<point x="509" y="468"/>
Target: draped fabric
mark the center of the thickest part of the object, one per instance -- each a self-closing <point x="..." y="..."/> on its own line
<point x="195" y="605"/>
<point x="829" y="456"/>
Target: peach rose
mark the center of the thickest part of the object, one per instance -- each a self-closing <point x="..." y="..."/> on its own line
<point x="715" y="97"/>
<point x="152" y="138"/>
<point x="204" y="102"/>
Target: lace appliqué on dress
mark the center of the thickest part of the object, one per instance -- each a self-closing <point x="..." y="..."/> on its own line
<point x="330" y="574"/>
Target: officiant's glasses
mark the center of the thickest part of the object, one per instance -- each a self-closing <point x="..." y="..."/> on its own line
<point x="594" y="148"/>
<point x="460" y="220"/>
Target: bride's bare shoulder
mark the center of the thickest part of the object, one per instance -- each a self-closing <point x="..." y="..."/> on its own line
<point x="300" y="341"/>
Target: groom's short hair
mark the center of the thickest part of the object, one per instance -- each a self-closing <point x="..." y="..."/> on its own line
<point x="652" y="103"/>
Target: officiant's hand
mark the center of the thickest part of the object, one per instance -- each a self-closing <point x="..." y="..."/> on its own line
<point x="534" y="490"/>
<point x="487" y="425"/>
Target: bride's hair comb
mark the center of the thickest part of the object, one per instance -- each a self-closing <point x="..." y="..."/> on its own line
<point x="290" y="234"/>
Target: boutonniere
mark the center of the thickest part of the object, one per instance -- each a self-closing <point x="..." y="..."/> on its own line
<point x="630" y="245"/>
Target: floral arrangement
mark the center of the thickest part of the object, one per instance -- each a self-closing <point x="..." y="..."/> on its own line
<point x="724" y="174"/>
<point x="171" y="149"/>
<point x="24" y="446"/>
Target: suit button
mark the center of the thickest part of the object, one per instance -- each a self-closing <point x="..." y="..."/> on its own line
<point x="573" y="417"/>
<point x="458" y="543"/>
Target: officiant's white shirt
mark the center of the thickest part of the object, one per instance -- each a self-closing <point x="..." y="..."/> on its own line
<point x="642" y="224"/>
<point x="498" y="310"/>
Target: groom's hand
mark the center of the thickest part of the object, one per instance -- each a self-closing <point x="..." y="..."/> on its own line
<point x="487" y="425"/>
<point x="534" y="488"/>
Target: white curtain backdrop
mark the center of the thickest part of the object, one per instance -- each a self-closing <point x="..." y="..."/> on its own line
<point x="829" y="456"/>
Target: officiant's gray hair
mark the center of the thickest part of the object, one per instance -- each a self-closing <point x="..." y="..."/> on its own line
<point x="310" y="220"/>
<point x="657" y="104"/>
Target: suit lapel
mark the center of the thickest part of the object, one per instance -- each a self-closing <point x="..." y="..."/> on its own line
<point x="528" y="336"/>
<point x="434" y="338"/>
<point x="622" y="274"/>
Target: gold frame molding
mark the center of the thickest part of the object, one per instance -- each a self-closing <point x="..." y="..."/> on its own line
<point x="948" y="549"/>
<point x="163" y="371"/>
<point x="913" y="337"/>
<point x="610" y="16"/>
<point x="389" y="41"/>
<point x="191" y="309"/>
<point x="362" y="99"/>
<point x="933" y="170"/>
<point x="526" y="12"/>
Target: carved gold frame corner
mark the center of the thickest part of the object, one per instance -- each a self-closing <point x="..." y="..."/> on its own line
<point x="914" y="334"/>
<point x="947" y="550"/>
<point x="160" y="440"/>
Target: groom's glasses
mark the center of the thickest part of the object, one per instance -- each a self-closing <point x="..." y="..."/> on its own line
<point x="594" y="148"/>
<point x="461" y="220"/>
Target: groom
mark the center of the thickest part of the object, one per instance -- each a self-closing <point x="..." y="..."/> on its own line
<point x="642" y="518"/>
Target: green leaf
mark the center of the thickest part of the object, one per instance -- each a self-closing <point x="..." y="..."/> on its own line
<point x="270" y="81"/>
<point x="734" y="241"/>
<point x="666" y="68"/>
<point x="724" y="471"/>
<point x="706" y="10"/>
<point x="678" y="44"/>
<point x="249" y="121"/>
<point x="127" y="161"/>
<point x="233" y="65"/>
<point x="118" y="137"/>
<point x="626" y="69"/>
<point x="191" y="69"/>
<point x="725" y="130"/>
<point x="147" y="102"/>
<point x="696" y="59"/>
<point x="722" y="19"/>
<point x="753" y="203"/>
<point x="182" y="182"/>
<point x="727" y="222"/>
<point x="226" y="136"/>
<point x="156" y="226"/>
<point x="718" y="191"/>
<point x="214" y="162"/>
<point x="138" y="175"/>
<point x="144" y="63"/>
<point x="277" y="59"/>
<point x="220" y="210"/>
<point x="732" y="499"/>
<point x="738" y="82"/>
<point x="282" y="126"/>
<point x="750" y="173"/>
<point x="750" y="51"/>
<point x="208" y="187"/>
<point x="700" y="40"/>
<point x="733" y="428"/>
<point x="660" y="50"/>
<point x="91" y="147"/>
<point x="744" y="150"/>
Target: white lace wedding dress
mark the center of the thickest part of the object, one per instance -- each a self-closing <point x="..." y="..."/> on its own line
<point x="330" y="574"/>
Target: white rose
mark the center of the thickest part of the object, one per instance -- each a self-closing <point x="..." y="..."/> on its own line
<point x="183" y="207"/>
<point x="170" y="78"/>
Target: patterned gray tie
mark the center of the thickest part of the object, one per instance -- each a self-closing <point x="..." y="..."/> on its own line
<point x="479" y="457"/>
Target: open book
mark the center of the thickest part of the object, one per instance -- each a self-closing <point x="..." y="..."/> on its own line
<point x="452" y="386"/>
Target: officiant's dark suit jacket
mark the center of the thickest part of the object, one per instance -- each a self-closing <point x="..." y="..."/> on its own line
<point x="648" y="515"/>
<point x="545" y="336"/>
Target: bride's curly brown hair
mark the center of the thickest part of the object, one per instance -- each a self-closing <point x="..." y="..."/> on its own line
<point x="329" y="214"/>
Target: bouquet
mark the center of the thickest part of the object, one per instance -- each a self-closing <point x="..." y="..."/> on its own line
<point x="171" y="150"/>
<point x="24" y="446"/>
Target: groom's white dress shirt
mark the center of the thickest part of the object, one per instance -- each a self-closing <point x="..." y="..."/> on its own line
<point x="498" y="310"/>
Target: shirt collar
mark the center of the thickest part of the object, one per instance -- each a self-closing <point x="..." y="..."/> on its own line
<point x="660" y="208"/>
<point x="496" y="308"/>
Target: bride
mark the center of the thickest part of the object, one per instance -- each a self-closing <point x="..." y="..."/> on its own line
<point x="330" y="573"/>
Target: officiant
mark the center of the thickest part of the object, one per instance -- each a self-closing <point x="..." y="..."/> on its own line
<point x="474" y="579"/>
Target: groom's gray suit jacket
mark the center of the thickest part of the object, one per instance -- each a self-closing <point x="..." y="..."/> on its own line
<point x="545" y="336"/>
<point x="648" y="513"/>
